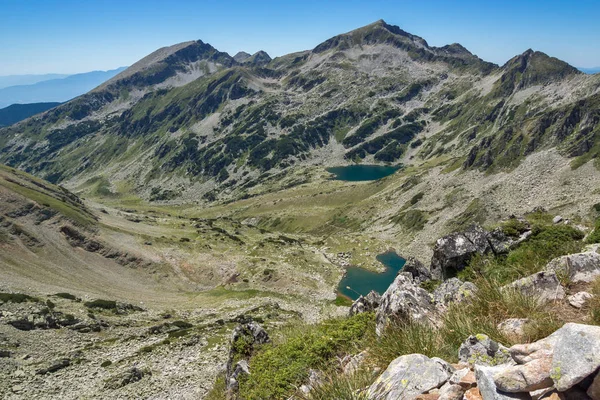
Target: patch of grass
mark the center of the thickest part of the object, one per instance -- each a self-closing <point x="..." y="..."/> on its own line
<point x="341" y="386"/>
<point x="546" y="242"/>
<point x="15" y="298"/>
<point x="413" y="220"/>
<point x="594" y="237"/>
<point x="474" y="213"/>
<point x="342" y="301"/>
<point x="219" y="389"/>
<point x="278" y="368"/>
<point x="594" y="303"/>
<point x="106" y="363"/>
<point x="514" y="227"/>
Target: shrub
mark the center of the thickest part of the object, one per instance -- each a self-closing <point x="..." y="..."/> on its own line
<point x="15" y="298"/>
<point x="594" y="237"/>
<point x="278" y="368"/>
<point x="67" y="296"/>
<point x="103" y="304"/>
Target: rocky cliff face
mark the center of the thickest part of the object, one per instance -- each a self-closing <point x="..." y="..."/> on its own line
<point x="191" y="121"/>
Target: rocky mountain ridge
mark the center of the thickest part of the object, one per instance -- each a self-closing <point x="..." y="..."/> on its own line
<point x="197" y="123"/>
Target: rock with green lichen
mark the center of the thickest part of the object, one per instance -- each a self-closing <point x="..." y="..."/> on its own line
<point x="481" y="350"/>
<point x="408" y="376"/>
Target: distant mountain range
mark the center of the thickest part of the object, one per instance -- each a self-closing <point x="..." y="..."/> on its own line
<point x="18" y="112"/>
<point x="594" y="70"/>
<point x="14" y="80"/>
<point x="53" y="90"/>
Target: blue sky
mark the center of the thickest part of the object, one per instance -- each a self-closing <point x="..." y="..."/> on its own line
<point x="42" y="36"/>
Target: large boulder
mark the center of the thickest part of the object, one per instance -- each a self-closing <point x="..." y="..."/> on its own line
<point x="453" y="252"/>
<point x="487" y="386"/>
<point x="534" y="375"/>
<point x="367" y="303"/>
<point x="543" y="285"/>
<point x="404" y="300"/>
<point x="408" y="376"/>
<point x="453" y="290"/>
<point x="419" y="272"/>
<point x="580" y="267"/>
<point x="576" y="354"/>
<point x="481" y="350"/>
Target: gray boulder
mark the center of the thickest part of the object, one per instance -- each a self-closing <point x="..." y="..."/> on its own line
<point x="404" y="300"/>
<point x="453" y="290"/>
<point x="367" y="303"/>
<point x="250" y="334"/>
<point x="543" y="285"/>
<point x="124" y="378"/>
<point x="408" y="376"/>
<point x="481" y="350"/>
<point x="419" y="272"/>
<point x="529" y="377"/>
<point x="487" y="387"/>
<point x="452" y="253"/>
<point x="576" y="354"/>
<point x="580" y="267"/>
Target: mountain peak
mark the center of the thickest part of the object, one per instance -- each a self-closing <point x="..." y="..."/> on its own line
<point x="241" y="56"/>
<point x="378" y="32"/>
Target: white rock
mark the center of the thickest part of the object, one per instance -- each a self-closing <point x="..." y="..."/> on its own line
<point x="578" y="300"/>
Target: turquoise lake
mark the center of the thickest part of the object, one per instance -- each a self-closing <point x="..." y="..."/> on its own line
<point x="358" y="281"/>
<point x="355" y="173"/>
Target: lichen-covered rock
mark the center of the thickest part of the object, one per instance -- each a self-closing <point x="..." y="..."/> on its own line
<point x="543" y="285"/>
<point x="408" y="376"/>
<point x="576" y="354"/>
<point x="404" y="300"/>
<point x="453" y="290"/>
<point x="487" y="387"/>
<point x="481" y="350"/>
<point x="534" y="375"/>
<point x="452" y="253"/>
<point x="580" y="267"/>
<point x="367" y="303"/>
<point x="419" y="272"/>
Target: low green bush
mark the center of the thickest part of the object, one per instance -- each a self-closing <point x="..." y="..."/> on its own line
<point x="15" y="298"/>
<point x="280" y="367"/>
<point x="67" y="296"/>
<point x="103" y="304"/>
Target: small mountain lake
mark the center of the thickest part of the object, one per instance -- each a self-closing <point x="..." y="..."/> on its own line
<point x="359" y="281"/>
<point x="355" y="173"/>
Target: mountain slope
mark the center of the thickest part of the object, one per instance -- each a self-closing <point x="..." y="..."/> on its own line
<point x="55" y="90"/>
<point x="18" y="112"/>
<point x="191" y="122"/>
<point x="14" y="80"/>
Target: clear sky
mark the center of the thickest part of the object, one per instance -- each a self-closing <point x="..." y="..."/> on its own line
<point x="68" y="36"/>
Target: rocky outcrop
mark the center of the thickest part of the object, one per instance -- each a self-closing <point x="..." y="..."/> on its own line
<point x="366" y="303"/>
<point x="452" y="253"/>
<point x="404" y="300"/>
<point x="130" y="375"/>
<point x="453" y="291"/>
<point x="481" y="350"/>
<point x="581" y="267"/>
<point x="417" y="269"/>
<point x="244" y="338"/>
<point x="408" y="376"/>
<point x="544" y="286"/>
